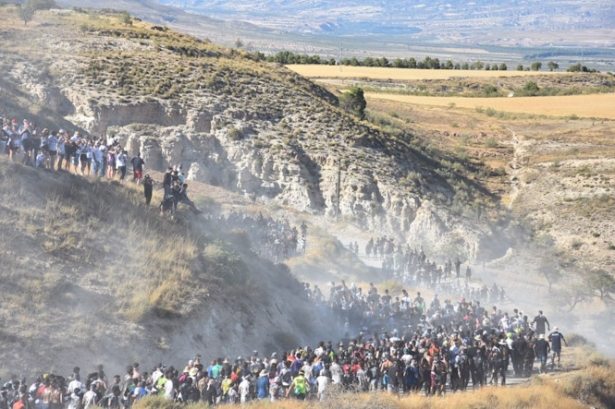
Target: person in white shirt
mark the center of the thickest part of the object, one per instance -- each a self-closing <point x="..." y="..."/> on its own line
<point x="169" y="391"/>
<point x="322" y="382"/>
<point x="244" y="390"/>
<point x="97" y="160"/>
<point x="336" y="373"/>
<point x="52" y="146"/>
<point x="120" y="162"/>
<point x="89" y="398"/>
<point x="156" y="374"/>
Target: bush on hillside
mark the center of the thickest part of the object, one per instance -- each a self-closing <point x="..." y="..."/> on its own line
<point x="354" y="102"/>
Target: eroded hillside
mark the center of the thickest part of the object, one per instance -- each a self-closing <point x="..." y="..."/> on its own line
<point x="247" y="126"/>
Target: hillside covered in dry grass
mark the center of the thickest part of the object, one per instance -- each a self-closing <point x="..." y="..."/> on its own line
<point x="90" y="272"/>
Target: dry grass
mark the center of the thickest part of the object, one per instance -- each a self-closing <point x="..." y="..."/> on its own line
<point x="328" y="71"/>
<point x="589" y="106"/>
<point x="98" y="234"/>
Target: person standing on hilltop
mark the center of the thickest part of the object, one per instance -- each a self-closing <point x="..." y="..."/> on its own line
<point x="137" y="168"/>
<point x="458" y="267"/>
<point x="167" y="180"/>
<point x="148" y="188"/>
<point x="540" y="321"/>
<point x="121" y="160"/>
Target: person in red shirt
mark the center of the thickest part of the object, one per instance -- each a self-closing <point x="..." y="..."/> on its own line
<point x="21" y="403"/>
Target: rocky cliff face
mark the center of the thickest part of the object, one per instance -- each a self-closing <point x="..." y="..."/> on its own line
<point x="252" y="128"/>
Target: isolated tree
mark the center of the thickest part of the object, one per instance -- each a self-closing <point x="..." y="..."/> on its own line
<point x="519" y="67"/>
<point x="411" y="63"/>
<point x="553" y="65"/>
<point x="549" y="269"/>
<point x="494" y="67"/>
<point x="465" y="66"/>
<point x="125" y="18"/>
<point x="573" y="293"/>
<point x="26" y="13"/>
<point x="487" y="67"/>
<point x="354" y="102"/>
<point x="238" y="43"/>
<point x="503" y="67"/>
<point x="601" y="281"/>
<point x="531" y="88"/>
<point x="536" y="66"/>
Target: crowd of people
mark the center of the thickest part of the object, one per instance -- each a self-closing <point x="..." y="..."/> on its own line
<point x="87" y="155"/>
<point x="404" y="343"/>
<point x="454" y="350"/>
<point x="274" y="239"/>
<point x="57" y="150"/>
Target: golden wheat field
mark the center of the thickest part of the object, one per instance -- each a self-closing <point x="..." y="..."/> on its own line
<point x="588" y="106"/>
<point x="402" y="74"/>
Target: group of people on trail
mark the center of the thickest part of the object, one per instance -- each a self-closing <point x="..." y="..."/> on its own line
<point x="58" y="150"/>
<point x="411" y="266"/>
<point x="274" y="239"/>
<point x="428" y="357"/>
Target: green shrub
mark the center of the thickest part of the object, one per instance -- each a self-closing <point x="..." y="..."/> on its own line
<point x="235" y="134"/>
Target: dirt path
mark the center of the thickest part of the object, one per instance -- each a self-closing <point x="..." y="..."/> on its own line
<point x="514" y="171"/>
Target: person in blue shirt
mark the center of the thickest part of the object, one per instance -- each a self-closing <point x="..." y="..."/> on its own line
<point x="556" y="339"/>
<point x="262" y="385"/>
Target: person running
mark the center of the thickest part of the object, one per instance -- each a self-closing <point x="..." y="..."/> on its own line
<point x="556" y="339"/>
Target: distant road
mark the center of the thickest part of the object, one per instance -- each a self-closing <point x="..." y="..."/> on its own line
<point x="343" y="71"/>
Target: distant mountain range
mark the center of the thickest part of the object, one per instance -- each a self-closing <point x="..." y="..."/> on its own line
<point x="425" y="19"/>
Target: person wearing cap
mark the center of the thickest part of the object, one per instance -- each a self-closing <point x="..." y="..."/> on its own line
<point x="262" y="385"/>
<point x="299" y="387"/>
<point x="90" y="398"/>
<point x="541" y="349"/>
<point x="556" y="339"/>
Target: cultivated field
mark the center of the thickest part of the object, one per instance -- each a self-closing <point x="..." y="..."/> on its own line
<point x="401" y="74"/>
<point x="589" y="106"/>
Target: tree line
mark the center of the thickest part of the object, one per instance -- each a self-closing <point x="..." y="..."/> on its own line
<point x="287" y="57"/>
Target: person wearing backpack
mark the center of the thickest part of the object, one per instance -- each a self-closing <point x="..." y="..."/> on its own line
<point x="299" y="387"/>
<point x="498" y="357"/>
